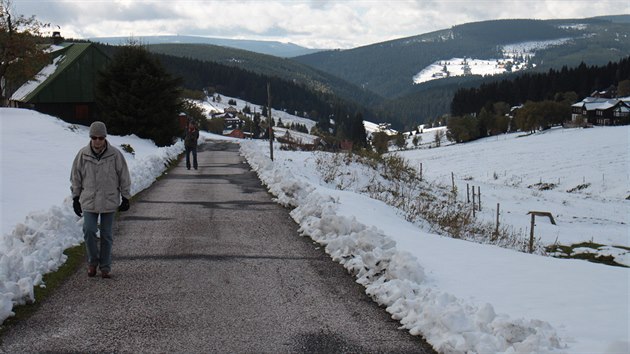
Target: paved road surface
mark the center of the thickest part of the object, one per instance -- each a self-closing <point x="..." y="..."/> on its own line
<point x="206" y="262"/>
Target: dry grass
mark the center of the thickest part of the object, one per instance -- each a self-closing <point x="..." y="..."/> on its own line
<point x="396" y="183"/>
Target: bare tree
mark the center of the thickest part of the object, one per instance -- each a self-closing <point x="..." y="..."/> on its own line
<point x="439" y="135"/>
<point x="21" y="52"/>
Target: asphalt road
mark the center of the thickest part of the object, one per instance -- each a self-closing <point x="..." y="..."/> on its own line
<point x="206" y="262"/>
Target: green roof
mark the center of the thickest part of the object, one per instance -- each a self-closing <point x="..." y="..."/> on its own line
<point x="72" y="77"/>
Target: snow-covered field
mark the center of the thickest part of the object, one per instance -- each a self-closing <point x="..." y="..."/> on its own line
<point x="461" y="296"/>
<point x="209" y="107"/>
<point x="514" y="56"/>
<point x="455" y="67"/>
<point x="586" y="169"/>
<point x="468" y="297"/>
<point x="529" y="48"/>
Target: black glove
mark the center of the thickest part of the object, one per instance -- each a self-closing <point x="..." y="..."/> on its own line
<point x="124" y="206"/>
<point x="77" y="206"/>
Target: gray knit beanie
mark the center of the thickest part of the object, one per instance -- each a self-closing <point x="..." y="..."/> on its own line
<point x="98" y="129"/>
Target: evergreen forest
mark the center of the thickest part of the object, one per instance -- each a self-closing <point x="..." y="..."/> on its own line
<point x="582" y="80"/>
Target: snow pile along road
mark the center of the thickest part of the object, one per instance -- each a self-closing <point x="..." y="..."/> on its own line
<point x="393" y="277"/>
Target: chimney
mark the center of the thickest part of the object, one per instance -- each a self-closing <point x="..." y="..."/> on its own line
<point x="57" y="38"/>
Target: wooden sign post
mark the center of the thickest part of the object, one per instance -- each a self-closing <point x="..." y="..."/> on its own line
<point x="531" y="233"/>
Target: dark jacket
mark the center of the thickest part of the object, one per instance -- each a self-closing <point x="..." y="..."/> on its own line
<point x="190" y="141"/>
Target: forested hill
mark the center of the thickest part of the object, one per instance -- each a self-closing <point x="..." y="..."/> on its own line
<point x="271" y="66"/>
<point x="541" y="86"/>
<point x="388" y="68"/>
<point x="290" y="95"/>
<point x="293" y="97"/>
<point x="279" y="49"/>
<point x="379" y="77"/>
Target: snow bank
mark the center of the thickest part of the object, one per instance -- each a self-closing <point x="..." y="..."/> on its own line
<point x="392" y="277"/>
<point x="33" y="246"/>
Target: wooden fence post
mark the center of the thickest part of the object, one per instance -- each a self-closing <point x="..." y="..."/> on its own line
<point x="467" y="193"/>
<point x="269" y="120"/>
<point x="531" y="233"/>
<point x="496" y="231"/>
<point x="473" y="200"/>
<point x="479" y="196"/>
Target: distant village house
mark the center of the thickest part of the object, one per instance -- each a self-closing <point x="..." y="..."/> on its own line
<point x="601" y="111"/>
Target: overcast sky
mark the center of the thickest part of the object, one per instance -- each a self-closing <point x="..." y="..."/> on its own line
<point x="309" y="23"/>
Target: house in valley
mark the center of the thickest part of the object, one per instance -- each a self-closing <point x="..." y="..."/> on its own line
<point x="65" y="88"/>
<point x="231" y="110"/>
<point x="601" y="111"/>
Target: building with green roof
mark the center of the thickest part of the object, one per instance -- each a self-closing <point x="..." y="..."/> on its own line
<point x="65" y="88"/>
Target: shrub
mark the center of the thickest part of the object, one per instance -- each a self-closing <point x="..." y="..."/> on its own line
<point x="128" y="148"/>
<point x="392" y="180"/>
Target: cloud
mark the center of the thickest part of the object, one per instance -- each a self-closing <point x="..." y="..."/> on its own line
<point x="311" y="23"/>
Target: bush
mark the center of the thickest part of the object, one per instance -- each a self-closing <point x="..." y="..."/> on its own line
<point x="393" y="181"/>
<point x="128" y="148"/>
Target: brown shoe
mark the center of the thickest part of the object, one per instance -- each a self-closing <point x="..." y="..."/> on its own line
<point x="91" y="271"/>
<point x="105" y="275"/>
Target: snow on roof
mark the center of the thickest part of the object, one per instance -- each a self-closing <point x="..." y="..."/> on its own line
<point x="42" y="75"/>
<point x="593" y="103"/>
<point x="378" y="127"/>
<point x="53" y="48"/>
<point x="602" y="105"/>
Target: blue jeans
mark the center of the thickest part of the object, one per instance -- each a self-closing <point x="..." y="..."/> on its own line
<point x="103" y="257"/>
<point x="194" y="153"/>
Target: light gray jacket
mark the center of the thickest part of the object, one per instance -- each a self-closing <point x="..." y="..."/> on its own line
<point x="99" y="182"/>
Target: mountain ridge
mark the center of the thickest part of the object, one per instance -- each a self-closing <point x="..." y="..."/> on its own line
<point x="381" y="75"/>
<point x="275" y="48"/>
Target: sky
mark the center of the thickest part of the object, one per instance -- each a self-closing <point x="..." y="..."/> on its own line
<point x="462" y="296"/>
<point x="321" y="24"/>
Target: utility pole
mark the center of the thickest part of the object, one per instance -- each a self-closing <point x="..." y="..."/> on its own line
<point x="269" y="120"/>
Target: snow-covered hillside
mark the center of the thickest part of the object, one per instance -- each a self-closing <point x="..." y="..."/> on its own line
<point x="464" y="66"/>
<point x="579" y="175"/>
<point x="211" y="106"/>
<point x="515" y="58"/>
<point x="466" y="297"/>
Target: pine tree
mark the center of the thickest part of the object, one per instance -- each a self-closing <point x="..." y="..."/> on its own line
<point x="357" y="132"/>
<point x="137" y="96"/>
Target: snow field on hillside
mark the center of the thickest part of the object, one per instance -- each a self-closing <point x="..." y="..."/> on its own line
<point x="509" y="170"/>
<point x="461" y="296"/>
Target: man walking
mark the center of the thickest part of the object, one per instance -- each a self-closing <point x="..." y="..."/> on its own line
<point x="99" y="177"/>
<point x="190" y="143"/>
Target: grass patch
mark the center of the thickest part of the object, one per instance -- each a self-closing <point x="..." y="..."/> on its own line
<point x="567" y="252"/>
<point x="579" y="187"/>
<point x="543" y="186"/>
<point x="76" y="258"/>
